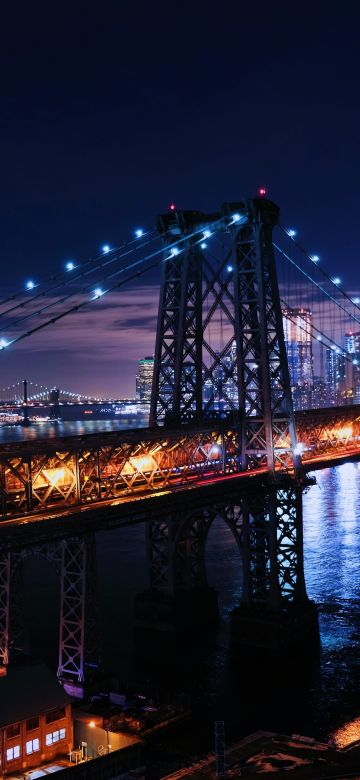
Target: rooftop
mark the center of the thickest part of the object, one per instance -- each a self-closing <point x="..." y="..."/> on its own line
<point x="27" y="690"/>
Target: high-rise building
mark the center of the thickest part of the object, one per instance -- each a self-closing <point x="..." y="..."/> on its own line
<point x="335" y="374"/>
<point x="352" y="343"/>
<point x="144" y="378"/>
<point x="298" y="342"/>
<point x="352" y="346"/>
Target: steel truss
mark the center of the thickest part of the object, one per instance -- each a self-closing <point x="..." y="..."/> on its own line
<point x="74" y="561"/>
<point x="235" y="291"/>
<point x="267" y="528"/>
<point x="115" y="466"/>
<point x="4" y="608"/>
<point x="329" y="431"/>
<point x="106" y="468"/>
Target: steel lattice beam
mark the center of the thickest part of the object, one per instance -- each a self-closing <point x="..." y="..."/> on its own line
<point x="77" y="572"/>
<point x="237" y="293"/>
<point x="4" y="608"/>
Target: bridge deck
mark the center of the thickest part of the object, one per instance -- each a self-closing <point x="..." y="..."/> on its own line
<point x="65" y="477"/>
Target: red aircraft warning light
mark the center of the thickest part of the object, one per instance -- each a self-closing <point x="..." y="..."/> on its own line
<point x="262" y="191"/>
<point x="172" y="207"/>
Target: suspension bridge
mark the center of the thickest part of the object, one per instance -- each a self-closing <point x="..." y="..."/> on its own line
<point x="223" y="437"/>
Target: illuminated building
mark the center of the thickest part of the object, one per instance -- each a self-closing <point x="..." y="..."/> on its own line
<point x="298" y="342"/>
<point x="144" y="378"/>
<point x="335" y="374"/>
<point x="35" y="719"/>
<point x="352" y="346"/>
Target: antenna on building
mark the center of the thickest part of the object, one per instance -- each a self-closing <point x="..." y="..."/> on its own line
<point x="220" y="748"/>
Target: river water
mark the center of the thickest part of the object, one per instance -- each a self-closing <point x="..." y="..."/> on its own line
<point x="294" y="698"/>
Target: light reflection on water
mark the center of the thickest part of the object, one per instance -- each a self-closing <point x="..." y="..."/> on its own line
<point x="332" y="535"/>
<point x="52" y="430"/>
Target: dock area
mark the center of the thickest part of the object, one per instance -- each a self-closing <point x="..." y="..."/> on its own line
<point x="266" y="753"/>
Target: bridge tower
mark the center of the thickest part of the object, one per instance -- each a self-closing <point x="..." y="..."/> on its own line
<point x="220" y="359"/>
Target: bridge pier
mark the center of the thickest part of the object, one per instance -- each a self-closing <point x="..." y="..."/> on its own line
<point x="178" y="598"/>
<point x="275" y="612"/>
<point x="75" y="563"/>
<point x="78" y="645"/>
<point x="4" y="610"/>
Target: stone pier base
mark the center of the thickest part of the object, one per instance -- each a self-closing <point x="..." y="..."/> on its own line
<point x="291" y="628"/>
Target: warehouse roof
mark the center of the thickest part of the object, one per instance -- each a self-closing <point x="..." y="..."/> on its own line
<point x="29" y="690"/>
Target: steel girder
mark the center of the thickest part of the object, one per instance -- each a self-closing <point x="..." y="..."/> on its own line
<point x="31" y="483"/>
<point x="74" y="562"/>
<point x="273" y="546"/>
<point x="234" y="293"/>
<point x="268" y="430"/>
<point x="4" y="608"/>
<point x="329" y="431"/>
<point x="78" y="652"/>
<point x="178" y="361"/>
<point x="267" y="528"/>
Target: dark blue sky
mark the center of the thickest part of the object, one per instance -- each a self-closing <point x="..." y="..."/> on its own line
<point x="111" y="109"/>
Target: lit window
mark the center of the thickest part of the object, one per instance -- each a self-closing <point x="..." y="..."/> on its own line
<point x="55" y="736"/>
<point x="13" y="752"/>
<point x="32" y="746"/>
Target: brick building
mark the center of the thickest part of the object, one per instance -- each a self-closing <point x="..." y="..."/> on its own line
<point x="35" y="718"/>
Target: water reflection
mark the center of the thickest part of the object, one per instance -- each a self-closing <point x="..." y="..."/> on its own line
<point x="332" y="534"/>
<point x="51" y="430"/>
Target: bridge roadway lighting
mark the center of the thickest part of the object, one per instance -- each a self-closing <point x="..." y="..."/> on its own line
<point x="174" y="251"/>
<point x="207" y="233"/>
<point x="105" y="249"/>
<point x="70" y="266"/>
<point x="203" y="245"/>
<point x="229" y="268"/>
<point x="291" y="233"/>
<point x="236" y="217"/>
<point x="30" y="285"/>
<point x="139" y="232"/>
<point x="336" y="280"/>
<point x="98" y="292"/>
<point x="299" y="448"/>
<point x="315" y="258"/>
<point x="3" y="344"/>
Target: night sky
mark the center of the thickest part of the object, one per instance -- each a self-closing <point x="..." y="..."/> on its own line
<point x="109" y="110"/>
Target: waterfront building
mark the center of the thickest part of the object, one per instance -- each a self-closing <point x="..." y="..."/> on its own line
<point x="35" y="718"/>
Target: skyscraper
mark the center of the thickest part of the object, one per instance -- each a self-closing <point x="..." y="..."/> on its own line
<point x="298" y="342"/>
<point x="335" y="374"/>
<point x="144" y="378"/>
<point x="352" y="346"/>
